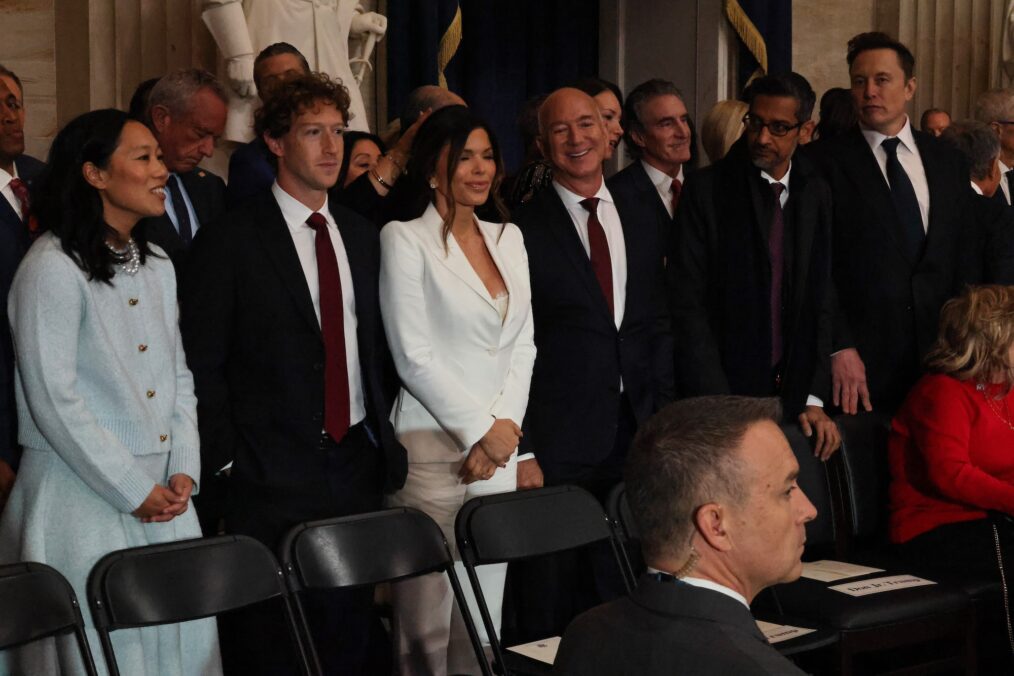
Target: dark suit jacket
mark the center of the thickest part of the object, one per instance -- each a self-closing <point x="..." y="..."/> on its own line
<point x="574" y="396"/>
<point x="634" y="187"/>
<point x="207" y="194"/>
<point x="13" y="245"/>
<point x="720" y="280"/>
<point x="250" y="172"/>
<point x="991" y="259"/>
<point x="888" y="304"/>
<point x="666" y="628"/>
<point x="255" y="348"/>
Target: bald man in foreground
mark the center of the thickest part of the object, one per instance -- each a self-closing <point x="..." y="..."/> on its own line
<point x="604" y="362"/>
<point x="712" y="486"/>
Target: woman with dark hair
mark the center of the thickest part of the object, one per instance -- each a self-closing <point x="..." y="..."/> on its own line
<point x="105" y="400"/>
<point x="363" y="151"/>
<point x="610" y="102"/>
<point x="456" y="303"/>
<point x="837" y="113"/>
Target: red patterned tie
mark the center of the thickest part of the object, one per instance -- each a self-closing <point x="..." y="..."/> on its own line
<point x="21" y="192"/>
<point x="332" y="327"/>
<point x="675" y="188"/>
<point x="601" y="263"/>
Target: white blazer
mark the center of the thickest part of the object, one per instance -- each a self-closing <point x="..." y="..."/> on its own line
<point x="460" y="367"/>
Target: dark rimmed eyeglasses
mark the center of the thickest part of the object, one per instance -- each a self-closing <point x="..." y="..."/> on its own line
<point x="755" y="125"/>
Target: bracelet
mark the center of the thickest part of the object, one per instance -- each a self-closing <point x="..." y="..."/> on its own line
<point x="376" y="174"/>
<point x="395" y="162"/>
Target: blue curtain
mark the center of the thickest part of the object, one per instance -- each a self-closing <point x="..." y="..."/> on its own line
<point x="773" y="19"/>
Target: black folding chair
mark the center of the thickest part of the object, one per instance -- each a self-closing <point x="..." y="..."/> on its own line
<point x="366" y="549"/>
<point x="181" y="581"/>
<point x="516" y="526"/>
<point x="37" y="602"/>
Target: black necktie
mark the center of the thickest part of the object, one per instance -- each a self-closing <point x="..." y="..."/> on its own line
<point x="180" y="206"/>
<point x="905" y="202"/>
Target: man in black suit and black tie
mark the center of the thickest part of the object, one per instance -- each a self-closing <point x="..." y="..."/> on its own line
<point x="712" y="486"/>
<point x="17" y="171"/>
<point x="995" y="107"/>
<point x="281" y="324"/>
<point x="658" y="136"/>
<point x="604" y="361"/>
<point x="750" y="276"/>
<point x="187" y="110"/>
<point x="900" y="200"/>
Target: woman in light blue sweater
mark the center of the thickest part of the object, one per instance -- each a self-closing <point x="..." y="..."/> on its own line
<point x="106" y="406"/>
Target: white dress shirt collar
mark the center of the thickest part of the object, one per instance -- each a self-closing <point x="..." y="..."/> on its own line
<point x="708" y="584"/>
<point x="875" y="138"/>
<point x="295" y="212"/>
<point x="572" y="199"/>
<point x="8" y="192"/>
<point x="976" y="188"/>
<point x="784" y="181"/>
<point x="663" y="184"/>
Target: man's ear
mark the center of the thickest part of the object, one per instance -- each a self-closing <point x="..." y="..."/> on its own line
<point x="160" y="118"/>
<point x="273" y="144"/>
<point x="540" y="145"/>
<point x="94" y="176"/>
<point x="637" y="137"/>
<point x="806" y="132"/>
<point x="711" y="520"/>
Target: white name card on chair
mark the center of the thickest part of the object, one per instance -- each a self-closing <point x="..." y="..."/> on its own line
<point x="880" y="584"/>
<point x="776" y="633"/>
<point x="832" y="571"/>
<point x="543" y="651"/>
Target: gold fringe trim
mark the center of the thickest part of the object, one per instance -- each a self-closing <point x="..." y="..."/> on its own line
<point x="747" y="32"/>
<point x="448" y="47"/>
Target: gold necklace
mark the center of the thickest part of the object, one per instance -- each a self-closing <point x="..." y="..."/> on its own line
<point x="995" y="408"/>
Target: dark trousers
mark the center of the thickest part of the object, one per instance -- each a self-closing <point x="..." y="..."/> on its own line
<point x="542" y="595"/>
<point x="343" y="623"/>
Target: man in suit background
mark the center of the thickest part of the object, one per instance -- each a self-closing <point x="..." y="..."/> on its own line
<point x="250" y="169"/>
<point x="712" y="486"/>
<point x="900" y="200"/>
<point x="658" y="136"/>
<point x="604" y="348"/>
<point x="750" y="269"/>
<point x="995" y="107"/>
<point x="187" y="110"/>
<point x="993" y="252"/>
<point x="281" y="324"/>
<point x="17" y="171"/>
<point x="934" y="121"/>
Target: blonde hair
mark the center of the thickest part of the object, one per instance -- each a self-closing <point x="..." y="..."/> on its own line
<point x="976" y="334"/>
<point x="722" y="126"/>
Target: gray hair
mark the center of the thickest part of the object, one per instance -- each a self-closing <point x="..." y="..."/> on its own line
<point x="176" y="90"/>
<point x="977" y="142"/>
<point x="995" y="104"/>
<point x="684" y="457"/>
<point x="636" y="99"/>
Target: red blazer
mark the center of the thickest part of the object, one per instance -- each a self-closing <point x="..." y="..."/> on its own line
<point x="951" y="456"/>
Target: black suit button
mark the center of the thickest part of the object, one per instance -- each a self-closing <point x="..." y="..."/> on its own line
<point x="908" y="307"/>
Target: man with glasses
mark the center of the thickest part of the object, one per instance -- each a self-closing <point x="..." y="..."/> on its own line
<point x="749" y="270"/>
<point x="996" y="108"/>
<point x="902" y="227"/>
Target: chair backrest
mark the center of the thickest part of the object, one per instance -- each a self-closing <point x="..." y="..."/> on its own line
<point x="513" y="526"/>
<point x="179" y="581"/>
<point x="365" y="549"/>
<point x="815" y="480"/>
<point x="627" y="534"/>
<point x="36" y="602"/>
<point x="865" y="475"/>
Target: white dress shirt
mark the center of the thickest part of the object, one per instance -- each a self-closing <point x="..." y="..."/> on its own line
<point x="1004" y="183"/>
<point x="610" y="220"/>
<point x="170" y="207"/>
<point x="708" y="584"/>
<point x="976" y="188"/>
<point x="8" y="192"/>
<point x="663" y="184"/>
<point x="295" y="214"/>
<point x="911" y="162"/>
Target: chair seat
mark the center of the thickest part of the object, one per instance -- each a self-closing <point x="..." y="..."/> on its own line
<point x="520" y="665"/>
<point x="810" y="599"/>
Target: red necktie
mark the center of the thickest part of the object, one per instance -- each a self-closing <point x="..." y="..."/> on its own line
<point x="601" y="263"/>
<point x="776" y="242"/>
<point x="21" y="192"/>
<point x="332" y="327"/>
<point x="675" y="188"/>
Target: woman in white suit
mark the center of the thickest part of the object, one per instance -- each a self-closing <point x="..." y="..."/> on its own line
<point x="456" y="302"/>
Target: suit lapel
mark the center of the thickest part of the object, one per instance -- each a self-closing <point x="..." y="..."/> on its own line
<point x="452" y="257"/>
<point x="277" y="243"/>
<point x="646" y="189"/>
<point x="8" y="216"/>
<point x="491" y="233"/>
<point x="935" y="178"/>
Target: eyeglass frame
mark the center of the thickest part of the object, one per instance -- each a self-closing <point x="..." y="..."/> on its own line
<point x="761" y="125"/>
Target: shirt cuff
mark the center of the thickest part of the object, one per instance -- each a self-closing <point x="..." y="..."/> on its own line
<point x="526" y="456"/>
<point x="814" y="401"/>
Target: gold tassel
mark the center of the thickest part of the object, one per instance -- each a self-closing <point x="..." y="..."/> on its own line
<point x="747" y="32"/>
<point x="448" y="47"/>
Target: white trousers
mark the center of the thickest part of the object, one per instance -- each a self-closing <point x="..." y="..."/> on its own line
<point x="429" y="634"/>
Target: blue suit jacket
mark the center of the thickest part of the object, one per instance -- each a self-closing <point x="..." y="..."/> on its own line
<point x="250" y="173"/>
<point x="13" y="245"/>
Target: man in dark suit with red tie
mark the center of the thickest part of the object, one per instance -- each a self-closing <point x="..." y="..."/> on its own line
<point x="604" y="361"/>
<point x="659" y="138"/>
<point x="281" y="324"/>
<point x="901" y="199"/>
<point x="17" y="171"/>
<point x="750" y="271"/>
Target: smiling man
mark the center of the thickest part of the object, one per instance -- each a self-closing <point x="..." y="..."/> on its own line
<point x="604" y="361"/>
<point x="711" y="484"/>
<point x="281" y="324"/>
<point x="750" y="269"/>
<point x="901" y="199"/>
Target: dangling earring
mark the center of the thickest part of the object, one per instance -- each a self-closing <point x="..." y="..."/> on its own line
<point x="433" y="184"/>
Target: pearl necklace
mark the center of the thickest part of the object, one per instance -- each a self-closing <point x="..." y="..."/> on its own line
<point x="128" y="259"/>
<point x="995" y="407"/>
